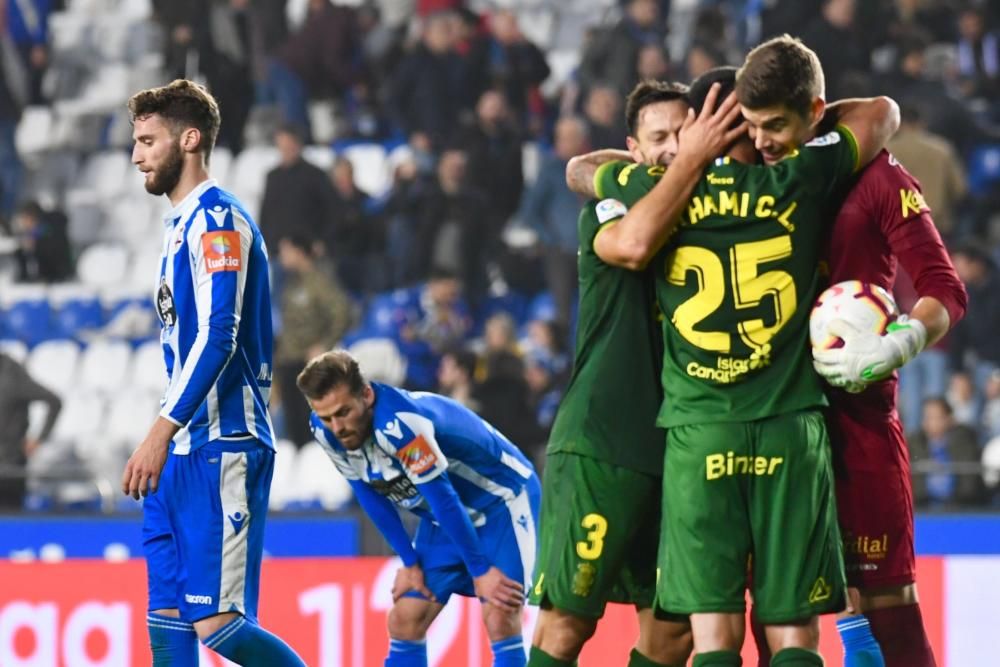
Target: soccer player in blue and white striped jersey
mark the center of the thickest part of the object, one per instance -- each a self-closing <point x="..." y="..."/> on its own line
<point x="477" y="497"/>
<point x="205" y="466"/>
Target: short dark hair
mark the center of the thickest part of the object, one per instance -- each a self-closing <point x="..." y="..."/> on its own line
<point x="181" y="103"/>
<point x="724" y="76"/>
<point x="781" y="71"/>
<point x="328" y="371"/>
<point x="646" y="93"/>
<point x="464" y="358"/>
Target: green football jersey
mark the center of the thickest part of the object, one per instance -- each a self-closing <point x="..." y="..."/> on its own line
<point x="609" y="409"/>
<point x="739" y="277"/>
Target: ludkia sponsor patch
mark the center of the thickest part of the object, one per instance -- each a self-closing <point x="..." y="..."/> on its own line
<point x="417" y="457"/>
<point x="222" y="251"/>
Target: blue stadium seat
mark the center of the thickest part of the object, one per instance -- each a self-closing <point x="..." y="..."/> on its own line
<point x="984" y="168"/>
<point x="74" y="317"/>
<point x="29" y="321"/>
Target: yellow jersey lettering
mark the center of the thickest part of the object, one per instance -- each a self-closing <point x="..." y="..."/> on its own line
<point x="912" y="202"/>
<point x="728" y="203"/>
<point x="625" y="173"/>
<point x="710" y="206"/>
<point x="784" y="218"/>
<point x="729" y="464"/>
<point x="764" y="205"/>
<point x="695" y="210"/>
<point x="744" y="204"/>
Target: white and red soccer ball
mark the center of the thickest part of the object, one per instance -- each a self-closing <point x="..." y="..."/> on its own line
<point x="865" y="306"/>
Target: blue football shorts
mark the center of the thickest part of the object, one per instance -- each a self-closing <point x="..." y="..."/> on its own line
<point x="508" y="536"/>
<point x="203" y="530"/>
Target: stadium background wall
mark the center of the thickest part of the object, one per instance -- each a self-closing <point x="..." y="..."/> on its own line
<point x="81" y="602"/>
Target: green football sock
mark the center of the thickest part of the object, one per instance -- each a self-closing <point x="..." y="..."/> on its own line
<point x="539" y="658"/>
<point x="636" y="659"/>
<point x="796" y="657"/>
<point x="718" y="659"/>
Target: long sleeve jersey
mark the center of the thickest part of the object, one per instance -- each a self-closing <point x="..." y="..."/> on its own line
<point x="213" y="301"/>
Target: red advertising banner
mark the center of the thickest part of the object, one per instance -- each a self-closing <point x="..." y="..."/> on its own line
<point x="91" y="613"/>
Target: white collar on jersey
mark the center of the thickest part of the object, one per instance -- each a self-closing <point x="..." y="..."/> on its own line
<point x="188" y="204"/>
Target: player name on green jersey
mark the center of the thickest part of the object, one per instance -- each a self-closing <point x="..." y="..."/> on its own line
<point x="610" y="406"/>
<point x="738" y="279"/>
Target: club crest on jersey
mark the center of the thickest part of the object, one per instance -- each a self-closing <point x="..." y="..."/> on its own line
<point x="222" y="251"/>
<point x="165" y="304"/>
<point x="417" y="457"/>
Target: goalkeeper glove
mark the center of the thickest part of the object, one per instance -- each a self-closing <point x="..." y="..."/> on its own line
<point x="868" y="357"/>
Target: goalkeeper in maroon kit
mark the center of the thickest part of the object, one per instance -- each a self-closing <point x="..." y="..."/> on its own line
<point x="883" y="223"/>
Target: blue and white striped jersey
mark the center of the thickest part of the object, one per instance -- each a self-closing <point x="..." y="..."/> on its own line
<point x="213" y="300"/>
<point x="416" y="437"/>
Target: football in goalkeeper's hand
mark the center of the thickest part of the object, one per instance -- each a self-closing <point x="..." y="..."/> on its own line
<point x="864" y="306"/>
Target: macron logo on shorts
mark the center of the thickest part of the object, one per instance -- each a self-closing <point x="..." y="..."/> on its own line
<point x="197" y="599"/>
<point x="237" y="519"/>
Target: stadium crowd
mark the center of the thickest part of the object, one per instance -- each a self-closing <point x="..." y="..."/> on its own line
<point x="460" y="259"/>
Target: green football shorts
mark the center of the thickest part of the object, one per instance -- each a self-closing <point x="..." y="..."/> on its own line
<point x="751" y="503"/>
<point x="599" y="533"/>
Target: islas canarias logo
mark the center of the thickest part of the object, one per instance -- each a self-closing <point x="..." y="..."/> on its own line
<point x="222" y="251"/>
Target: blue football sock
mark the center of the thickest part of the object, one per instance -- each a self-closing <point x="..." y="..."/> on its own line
<point x="860" y="647"/>
<point x="174" y="642"/>
<point x="406" y="653"/>
<point x="250" y="645"/>
<point x="509" y="652"/>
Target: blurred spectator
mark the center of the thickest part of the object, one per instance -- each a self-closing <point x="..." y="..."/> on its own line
<point x="355" y="240"/>
<point x="401" y="215"/>
<point x="548" y="343"/>
<point x="455" y="373"/>
<point x="507" y="61"/>
<point x="453" y="225"/>
<point x="504" y="401"/>
<point x="991" y="411"/>
<point x="927" y="374"/>
<point x="298" y="198"/>
<point x="702" y="57"/>
<point x="942" y="113"/>
<point x="43" y="253"/>
<point x="653" y="64"/>
<point x="552" y="209"/>
<point x="605" y="120"/>
<point x="961" y="396"/>
<point x="834" y="38"/>
<point x="499" y="337"/>
<point x="613" y="54"/>
<point x="545" y="393"/>
<point x="187" y="37"/>
<point x="28" y="21"/>
<point x="780" y="16"/>
<point x="17" y="391"/>
<point x="443" y="316"/>
<point x="426" y="91"/>
<point x="318" y="61"/>
<point x="936" y="19"/>
<point x="315" y="314"/>
<point x="935" y="163"/>
<point x="230" y="73"/>
<point x="973" y="341"/>
<point x="978" y="56"/>
<point x="14" y="94"/>
<point x="493" y="145"/>
<point x="940" y="444"/>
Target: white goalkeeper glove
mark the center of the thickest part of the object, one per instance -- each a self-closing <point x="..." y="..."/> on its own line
<point x="868" y="357"/>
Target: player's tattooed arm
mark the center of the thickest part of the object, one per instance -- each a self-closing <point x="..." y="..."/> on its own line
<point x="580" y="170"/>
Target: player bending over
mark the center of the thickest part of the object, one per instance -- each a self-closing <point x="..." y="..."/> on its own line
<point x="476" y="494"/>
